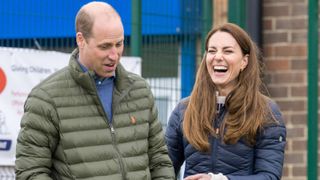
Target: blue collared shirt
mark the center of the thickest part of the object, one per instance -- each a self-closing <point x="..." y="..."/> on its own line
<point x="105" y="89"/>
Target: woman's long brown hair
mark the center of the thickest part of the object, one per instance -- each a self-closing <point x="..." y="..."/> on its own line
<point x="247" y="107"/>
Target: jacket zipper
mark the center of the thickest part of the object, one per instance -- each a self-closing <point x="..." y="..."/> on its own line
<point x="117" y="151"/>
<point x="214" y="154"/>
<point x="114" y="144"/>
<point x="113" y="135"/>
<point x="216" y="138"/>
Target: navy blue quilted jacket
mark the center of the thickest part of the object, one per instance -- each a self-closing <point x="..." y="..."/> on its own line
<point x="264" y="161"/>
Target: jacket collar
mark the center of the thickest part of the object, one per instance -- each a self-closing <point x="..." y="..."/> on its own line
<point x="85" y="79"/>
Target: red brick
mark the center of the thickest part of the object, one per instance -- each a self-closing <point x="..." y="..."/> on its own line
<point x="292" y="105"/>
<point x="299" y="145"/>
<point x="267" y="24"/>
<point x="299" y="10"/>
<point x="276" y="11"/>
<point x="285" y="171"/>
<point x="294" y="158"/>
<point x="278" y="91"/>
<point x="299" y="91"/>
<point x="299" y="171"/>
<point x="286" y="117"/>
<point x="268" y="51"/>
<point x="291" y="50"/>
<point x="288" y="77"/>
<point x="299" y="37"/>
<point x="298" y="64"/>
<point x="295" y="132"/>
<point x="278" y="64"/>
<point x="299" y="119"/>
<point x="293" y="24"/>
<point x="275" y="37"/>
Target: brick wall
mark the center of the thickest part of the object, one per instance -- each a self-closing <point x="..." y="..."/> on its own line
<point x="285" y="24"/>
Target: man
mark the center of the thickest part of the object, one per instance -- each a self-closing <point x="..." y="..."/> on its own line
<point x="93" y="119"/>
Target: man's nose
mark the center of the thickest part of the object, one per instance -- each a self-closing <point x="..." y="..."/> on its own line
<point x="113" y="54"/>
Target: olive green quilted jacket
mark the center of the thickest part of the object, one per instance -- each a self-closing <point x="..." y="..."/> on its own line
<point x="65" y="135"/>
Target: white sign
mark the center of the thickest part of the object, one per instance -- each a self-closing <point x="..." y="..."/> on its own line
<point x="20" y="71"/>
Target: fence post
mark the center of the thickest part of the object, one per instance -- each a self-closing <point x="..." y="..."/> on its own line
<point x="207" y="12"/>
<point x="237" y="12"/>
<point x="136" y="34"/>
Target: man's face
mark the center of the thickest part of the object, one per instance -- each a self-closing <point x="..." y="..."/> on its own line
<point x="102" y="51"/>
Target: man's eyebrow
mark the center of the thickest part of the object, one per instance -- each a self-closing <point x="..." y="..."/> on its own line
<point x="120" y="41"/>
<point x="105" y="44"/>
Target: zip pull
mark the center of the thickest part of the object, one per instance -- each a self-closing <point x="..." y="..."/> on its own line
<point x="111" y="128"/>
<point x="217" y="131"/>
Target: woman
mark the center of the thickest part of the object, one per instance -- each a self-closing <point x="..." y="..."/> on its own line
<point x="227" y="128"/>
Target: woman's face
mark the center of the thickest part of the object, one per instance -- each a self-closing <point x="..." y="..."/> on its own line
<point x="224" y="61"/>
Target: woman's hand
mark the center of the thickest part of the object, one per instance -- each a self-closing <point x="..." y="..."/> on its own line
<point x="198" y="177"/>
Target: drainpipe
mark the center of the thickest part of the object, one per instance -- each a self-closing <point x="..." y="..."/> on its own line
<point x="312" y="162"/>
<point x="254" y="21"/>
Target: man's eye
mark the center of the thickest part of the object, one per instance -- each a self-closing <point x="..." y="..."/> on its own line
<point x="119" y="44"/>
<point x="104" y="47"/>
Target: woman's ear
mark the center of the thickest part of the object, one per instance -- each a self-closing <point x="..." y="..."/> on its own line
<point x="244" y="63"/>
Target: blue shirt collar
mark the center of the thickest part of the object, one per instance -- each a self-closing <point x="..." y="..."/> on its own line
<point x="96" y="77"/>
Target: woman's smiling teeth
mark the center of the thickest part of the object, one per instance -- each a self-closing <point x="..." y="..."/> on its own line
<point x="220" y="69"/>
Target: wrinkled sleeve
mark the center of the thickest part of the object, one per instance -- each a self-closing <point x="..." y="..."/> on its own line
<point x="269" y="151"/>
<point x="37" y="138"/>
<point x="160" y="164"/>
<point x="174" y="138"/>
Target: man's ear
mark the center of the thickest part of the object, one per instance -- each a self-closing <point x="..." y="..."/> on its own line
<point x="80" y="39"/>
